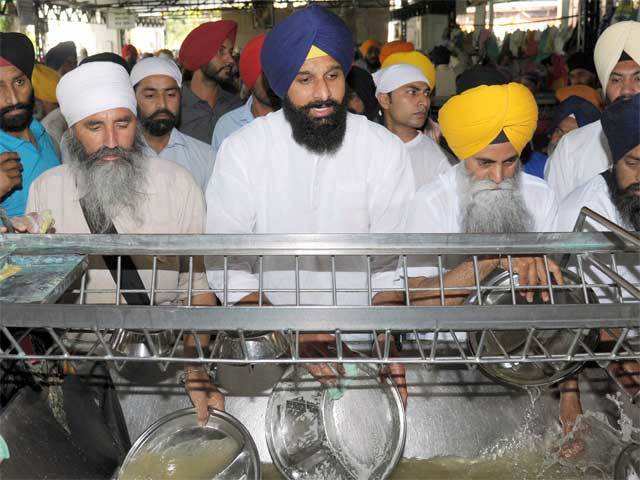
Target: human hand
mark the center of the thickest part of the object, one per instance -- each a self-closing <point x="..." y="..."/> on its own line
<point x="531" y="271"/>
<point x="10" y="172"/>
<point x="34" y="222"/>
<point x="203" y="393"/>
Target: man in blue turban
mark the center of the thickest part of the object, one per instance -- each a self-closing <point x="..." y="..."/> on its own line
<point x="311" y="167"/>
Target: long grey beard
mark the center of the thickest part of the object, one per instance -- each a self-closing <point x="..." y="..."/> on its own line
<point x="486" y="207"/>
<point x="109" y="189"/>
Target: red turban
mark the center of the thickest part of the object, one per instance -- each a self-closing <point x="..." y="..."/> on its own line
<point x="204" y="41"/>
<point x="397" y="46"/>
<point x="250" y="67"/>
<point x="129" y="49"/>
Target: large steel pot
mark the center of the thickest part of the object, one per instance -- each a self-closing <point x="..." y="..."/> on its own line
<point x="249" y="379"/>
<point x="177" y="447"/>
<point x="554" y="341"/>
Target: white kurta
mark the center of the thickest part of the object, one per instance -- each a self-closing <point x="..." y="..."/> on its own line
<point x="436" y="209"/>
<point x="264" y="182"/>
<point x="427" y="159"/>
<point x="579" y="156"/>
<point x="595" y="195"/>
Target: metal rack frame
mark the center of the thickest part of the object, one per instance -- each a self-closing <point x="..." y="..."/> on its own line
<point x="383" y="323"/>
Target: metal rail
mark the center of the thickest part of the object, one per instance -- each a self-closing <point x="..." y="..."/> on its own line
<point x="432" y="333"/>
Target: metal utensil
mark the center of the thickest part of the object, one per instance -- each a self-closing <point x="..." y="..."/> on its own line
<point x="249" y="379"/>
<point x="529" y="374"/>
<point x="312" y="436"/>
<point x="177" y="440"/>
<point x="132" y="343"/>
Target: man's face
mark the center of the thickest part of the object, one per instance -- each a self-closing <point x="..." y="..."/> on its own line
<point x="373" y="57"/>
<point x="497" y="162"/>
<point x="220" y="67"/>
<point x="315" y="105"/>
<point x="624" y="80"/>
<point x="567" y="125"/>
<point x="16" y="100"/>
<point x="107" y="133"/>
<point x="68" y="65"/>
<point x="355" y="103"/>
<point x="408" y="105"/>
<point x="627" y="197"/>
<point x="580" y="76"/>
<point x="265" y="95"/>
<point x="158" y="98"/>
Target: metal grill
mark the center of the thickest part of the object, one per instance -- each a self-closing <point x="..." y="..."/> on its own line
<point x="432" y="334"/>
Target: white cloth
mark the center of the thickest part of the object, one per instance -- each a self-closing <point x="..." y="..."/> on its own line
<point x="264" y="182"/>
<point x="579" y="156"/>
<point x="393" y="77"/>
<point x="436" y="209"/>
<point x="55" y="125"/>
<point x="196" y="156"/>
<point x="595" y="195"/>
<point x="93" y="88"/>
<point x="428" y="161"/>
<point x="155" y="66"/>
<point x="618" y="38"/>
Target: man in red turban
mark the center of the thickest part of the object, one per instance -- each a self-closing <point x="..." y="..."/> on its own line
<point x="130" y="55"/>
<point x="207" y="52"/>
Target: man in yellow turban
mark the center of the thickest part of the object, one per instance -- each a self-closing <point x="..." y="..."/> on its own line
<point x="397" y="46"/>
<point x="584" y="153"/>
<point x="487" y="128"/>
<point x="44" y="81"/>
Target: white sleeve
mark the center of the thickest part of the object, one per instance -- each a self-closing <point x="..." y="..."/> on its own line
<point x="549" y="213"/>
<point x="392" y="188"/>
<point x="231" y="209"/>
<point x="558" y="170"/>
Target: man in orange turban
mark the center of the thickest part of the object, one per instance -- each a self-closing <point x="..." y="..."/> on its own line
<point x="370" y="52"/>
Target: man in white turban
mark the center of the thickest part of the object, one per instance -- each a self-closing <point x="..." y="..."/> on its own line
<point x="108" y="185"/>
<point x="584" y="153"/>
<point x="404" y="93"/>
<point x="157" y="82"/>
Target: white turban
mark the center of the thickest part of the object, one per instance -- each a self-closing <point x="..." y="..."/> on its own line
<point x="93" y="88"/>
<point x="393" y="77"/>
<point x="618" y="38"/>
<point x="155" y="66"/>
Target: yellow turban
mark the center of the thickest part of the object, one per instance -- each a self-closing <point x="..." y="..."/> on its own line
<point x="618" y="38"/>
<point x="416" y="59"/>
<point x="472" y="120"/>
<point x="44" y="81"/>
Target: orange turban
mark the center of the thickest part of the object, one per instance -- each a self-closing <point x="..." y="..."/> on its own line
<point x="367" y="45"/>
<point x="397" y="46"/>
<point x="591" y="95"/>
<point x="472" y="120"/>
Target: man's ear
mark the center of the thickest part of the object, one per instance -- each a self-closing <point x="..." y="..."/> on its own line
<point x="384" y="99"/>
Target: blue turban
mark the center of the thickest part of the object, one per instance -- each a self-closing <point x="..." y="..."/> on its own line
<point x="288" y="44"/>
<point x="583" y="110"/>
<point x="621" y="125"/>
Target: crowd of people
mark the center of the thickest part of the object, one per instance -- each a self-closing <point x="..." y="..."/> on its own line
<point x="318" y="142"/>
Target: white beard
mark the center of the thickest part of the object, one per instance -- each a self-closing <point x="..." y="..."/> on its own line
<point x="487" y="207"/>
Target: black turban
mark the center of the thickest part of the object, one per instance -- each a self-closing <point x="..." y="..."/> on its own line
<point x="581" y="60"/>
<point x="479" y="75"/>
<point x="621" y="125"/>
<point x="361" y="82"/>
<point x="16" y="49"/>
<point x="108" y="57"/>
<point x="59" y="54"/>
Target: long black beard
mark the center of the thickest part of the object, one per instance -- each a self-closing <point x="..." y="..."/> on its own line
<point x="20" y="122"/>
<point x="626" y="201"/>
<point x="109" y="189"/>
<point x="158" y="127"/>
<point x="323" y="135"/>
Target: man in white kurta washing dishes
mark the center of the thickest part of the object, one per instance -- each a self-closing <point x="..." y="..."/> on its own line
<point x="308" y="168"/>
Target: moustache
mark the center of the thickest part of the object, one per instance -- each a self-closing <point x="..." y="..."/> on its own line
<point x="325" y="104"/>
<point x="508" y="184"/>
<point x="632" y="189"/>
<point x="162" y="111"/>
<point x="11" y="108"/>
<point x="97" y="156"/>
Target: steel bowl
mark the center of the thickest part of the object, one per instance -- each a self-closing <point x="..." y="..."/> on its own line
<point x="249" y="379"/>
<point x="134" y="343"/>
<point x="556" y="342"/>
<point x="177" y="447"/>
<point x="628" y="463"/>
<point x="311" y="436"/>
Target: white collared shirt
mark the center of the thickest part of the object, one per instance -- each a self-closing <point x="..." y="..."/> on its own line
<point x="427" y="159"/>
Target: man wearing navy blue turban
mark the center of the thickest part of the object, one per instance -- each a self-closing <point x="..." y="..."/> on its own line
<point x="311" y="167"/>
